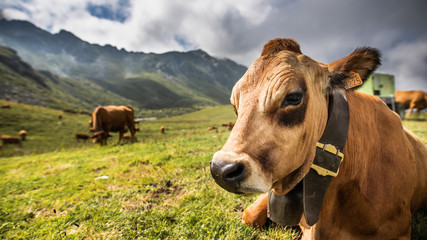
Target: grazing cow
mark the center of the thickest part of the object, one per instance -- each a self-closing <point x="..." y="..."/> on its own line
<point x="82" y="136"/>
<point x="162" y="129"/>
<point x="230" y="126"/>
<point x="59" y="117"/>
<point x="5" y="106"/>
<point x="336" y="162"/>
<point x="100" y="137"/>
<point x="10" y="140"/>
<point x="23" y="135"/>
<point x="212" y="128"/>
<point x="107" y="119"/>
<point x="412" y="99"/>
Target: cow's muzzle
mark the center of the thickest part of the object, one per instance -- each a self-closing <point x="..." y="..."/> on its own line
<point x="228" y="175"/>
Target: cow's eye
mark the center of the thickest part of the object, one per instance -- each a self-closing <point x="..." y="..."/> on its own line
<point x="292" y="99"/>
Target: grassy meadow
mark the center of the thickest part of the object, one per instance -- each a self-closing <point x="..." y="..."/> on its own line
<point x="56" y="187"/>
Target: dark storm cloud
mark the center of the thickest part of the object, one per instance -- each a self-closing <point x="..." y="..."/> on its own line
<point x="329" y="30"/>
<point x="326" y="30"/>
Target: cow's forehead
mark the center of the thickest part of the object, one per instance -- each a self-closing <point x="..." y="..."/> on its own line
<point x="277" y="70"/>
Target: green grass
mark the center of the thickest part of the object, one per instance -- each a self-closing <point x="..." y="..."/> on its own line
<point x="157" y="188"/>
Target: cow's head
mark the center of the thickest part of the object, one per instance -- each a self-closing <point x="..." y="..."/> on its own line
<point x="100" y="137"/>
<point x="282" y="108"/>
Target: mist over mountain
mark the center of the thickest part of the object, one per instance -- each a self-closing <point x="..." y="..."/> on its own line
<point x="172" y="79"/>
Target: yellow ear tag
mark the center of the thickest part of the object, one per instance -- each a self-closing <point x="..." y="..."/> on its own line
<point x="352" y="81"/>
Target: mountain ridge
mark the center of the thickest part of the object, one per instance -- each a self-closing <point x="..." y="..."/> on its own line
<point x="152" y="80"/>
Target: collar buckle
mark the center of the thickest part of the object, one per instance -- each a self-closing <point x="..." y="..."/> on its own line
<point x="325" y="170"/>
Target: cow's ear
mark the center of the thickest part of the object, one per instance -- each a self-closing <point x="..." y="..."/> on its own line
<point x="279" y="44"/>
<point x="350" y="72"/>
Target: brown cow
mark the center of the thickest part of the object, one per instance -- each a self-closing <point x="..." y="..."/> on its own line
<point x="212" y="128"/>
<point x="23" y="135"/>
<point x="10" y="140"/>
<point x="5" y="106"/>
<point x="282" y="104"/>
<point x="81" y="136"/>
<point x="162" y="129"/>
<point x="412" y="99"/>
<point x="107" y="119"/>
<point x="230" y="126"/>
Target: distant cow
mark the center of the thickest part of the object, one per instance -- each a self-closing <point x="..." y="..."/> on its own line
<point x="5" y="106"/>
<point x="23" y="135"/>
<point x="82" y="136"/>
<point x="162" y="129"/>
<point x="107" y="119"/>
<point x="230" y="126"/>
<point x="10" y="140"/>
<point x="212" y="128"/>
<point x="412" y="99"/>
<point x="59" y="117"/>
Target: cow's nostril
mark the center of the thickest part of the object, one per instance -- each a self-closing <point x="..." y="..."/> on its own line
<point x="234" y="172"/>
<point x="228" y="175"/>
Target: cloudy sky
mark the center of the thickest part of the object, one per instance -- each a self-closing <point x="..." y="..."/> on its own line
<point x="237" y="29"/>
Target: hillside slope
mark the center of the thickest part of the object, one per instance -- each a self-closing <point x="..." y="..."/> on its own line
<point x="19" y="82"/>
<point x="173" y="79"/>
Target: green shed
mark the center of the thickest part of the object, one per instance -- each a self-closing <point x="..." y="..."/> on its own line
<point x="382" y="85"/>
<point x="379" y="84"/>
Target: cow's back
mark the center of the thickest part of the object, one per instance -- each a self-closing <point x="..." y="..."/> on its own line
<point x="119" y="117"/>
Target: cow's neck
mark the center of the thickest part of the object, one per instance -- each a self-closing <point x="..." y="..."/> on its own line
<point x="328" y="157"/>
<point x="373" y="131"/>
<point x="309" y="194"/>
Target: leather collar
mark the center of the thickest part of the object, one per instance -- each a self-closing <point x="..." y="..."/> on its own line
<point x="308" y="195"/>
